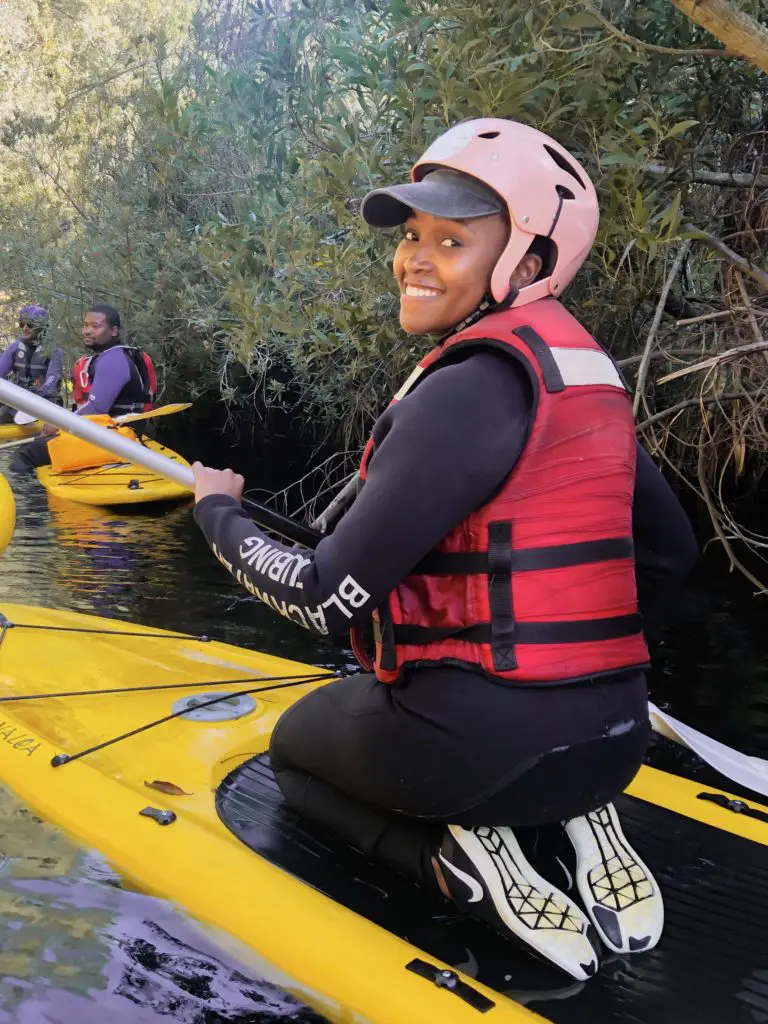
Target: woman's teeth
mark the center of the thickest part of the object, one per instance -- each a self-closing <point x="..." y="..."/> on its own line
<point x="420" y="293"/>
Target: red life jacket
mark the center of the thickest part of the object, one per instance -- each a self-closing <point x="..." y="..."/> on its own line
<point x="139" y="395"/>
<point x="537" y="585"/>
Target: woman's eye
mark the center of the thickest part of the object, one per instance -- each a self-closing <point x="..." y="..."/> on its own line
<point x="450" y="243"/>
<point x="410" y="236"/>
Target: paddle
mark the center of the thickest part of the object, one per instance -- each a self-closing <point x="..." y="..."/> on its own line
<point x="751" y="772"/>
<point x="132" y="451"/>
<point x="22" y="419"/>
<point x="163" y="410"/>
<point x="747" y="771"/>
<point x="15" y="444"/>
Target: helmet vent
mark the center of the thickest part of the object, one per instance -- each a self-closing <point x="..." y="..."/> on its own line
<point x="489" y="135"/>
<point x="563" y="164"/>
<point x="564" y="193"/>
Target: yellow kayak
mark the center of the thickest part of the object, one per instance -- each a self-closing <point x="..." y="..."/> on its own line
<point x="186" y="808"/>
<point x="118" y="483"/>
<point x="14" y="432"/>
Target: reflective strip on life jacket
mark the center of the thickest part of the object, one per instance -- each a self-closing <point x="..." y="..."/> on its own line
<point x="580" y="367"/>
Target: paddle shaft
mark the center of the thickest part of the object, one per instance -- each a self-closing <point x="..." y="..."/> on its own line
<point x="132" y="451"/>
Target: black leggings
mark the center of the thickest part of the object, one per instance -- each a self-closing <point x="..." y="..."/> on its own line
<point x="387" y="767"/>
<point x="31" y="455"/>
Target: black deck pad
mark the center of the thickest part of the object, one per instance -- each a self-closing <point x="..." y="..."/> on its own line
<point x="711" y="966"/>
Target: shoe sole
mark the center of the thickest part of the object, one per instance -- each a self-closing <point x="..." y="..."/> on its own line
<point x="621" y="896"/>
<point x="532" y="909"/>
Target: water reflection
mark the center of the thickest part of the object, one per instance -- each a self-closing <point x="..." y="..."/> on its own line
<point x="76" y="947"/>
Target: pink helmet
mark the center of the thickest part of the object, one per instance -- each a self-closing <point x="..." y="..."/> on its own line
<point x="546" y="192"/>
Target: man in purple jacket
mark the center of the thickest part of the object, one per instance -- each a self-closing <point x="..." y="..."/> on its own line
<point x="29" y="362"/>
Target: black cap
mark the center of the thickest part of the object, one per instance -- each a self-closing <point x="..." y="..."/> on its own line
<point x="442" y="192"/>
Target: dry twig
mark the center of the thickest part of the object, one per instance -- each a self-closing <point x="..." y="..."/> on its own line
<point x="642" y="371"/>
<point x="721" y="357"/>
<point x="733" y="257"/>
<point x="702" y="176"/>
<point x="706" y="494"/>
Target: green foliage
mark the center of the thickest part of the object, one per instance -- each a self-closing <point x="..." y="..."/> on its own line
<point x="208" y="183"/>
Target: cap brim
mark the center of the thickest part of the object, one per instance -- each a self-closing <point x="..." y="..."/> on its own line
<point x="387" y="207"/>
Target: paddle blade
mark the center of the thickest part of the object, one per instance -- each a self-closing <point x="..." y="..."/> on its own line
<point x="7" y="513"/>
<point x="751" y="772"/>
<point x="23" y="418"/>
<point x="163" y="410"/>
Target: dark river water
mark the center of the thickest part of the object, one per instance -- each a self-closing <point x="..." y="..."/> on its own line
<point x="76" y="946"/>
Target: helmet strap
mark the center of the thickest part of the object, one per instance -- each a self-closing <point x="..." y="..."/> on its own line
<point x="487" y="305"/>
<point x="507" y="301"/>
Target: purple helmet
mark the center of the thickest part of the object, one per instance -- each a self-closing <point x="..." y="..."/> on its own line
<point x="37" y="314"/>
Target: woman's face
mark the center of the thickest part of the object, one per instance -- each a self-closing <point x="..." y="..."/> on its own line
<point x="443" y="268"/>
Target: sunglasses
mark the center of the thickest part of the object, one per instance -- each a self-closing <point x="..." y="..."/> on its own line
<point x="28" y="323"/>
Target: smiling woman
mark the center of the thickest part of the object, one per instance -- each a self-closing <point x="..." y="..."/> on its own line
<point x="503" y="515"/>
<point x="455" y="233"/>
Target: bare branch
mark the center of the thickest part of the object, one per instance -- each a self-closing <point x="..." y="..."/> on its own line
<point x="642" y="371"/>
<point x="721" y="357"/>
<point x="342" y="499"/>
<point x="705" y="177"/>
<point x="689" y="403"/>
<point x="756" y="273"/>
<point x="735" y="29"/>
<point x="640" y="44"/>
<point x="701" y="472"/>
<point x="678" y="353"/>
<point x="751" y="316"/>
<point x="721" y="314"/>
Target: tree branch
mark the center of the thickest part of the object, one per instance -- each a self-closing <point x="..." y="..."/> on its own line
<point x="721" y="314"/>
<point x="707" y="364"/>
<point x="642" y="371"/>
<point x="735" y="29"/>
<point x="701" y="472"/>
<point x="761" y="276"/>
<point x="687" y="403"/>
<point x="653" y="47"/>
<point x="678" y="353"/>
<point x="705" y="177"/>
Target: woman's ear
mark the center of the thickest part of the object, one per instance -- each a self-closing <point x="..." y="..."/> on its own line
<point x="527" y="270"/>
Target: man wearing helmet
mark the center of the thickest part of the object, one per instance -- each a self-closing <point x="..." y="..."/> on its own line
<point x="504" y="511"/>
<point x="28" y="362"/>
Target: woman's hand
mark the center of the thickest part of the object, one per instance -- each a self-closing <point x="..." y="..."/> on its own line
<point x="217" y="481"/>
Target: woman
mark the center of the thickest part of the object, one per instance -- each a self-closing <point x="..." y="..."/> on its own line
<point x="492" y="542"/>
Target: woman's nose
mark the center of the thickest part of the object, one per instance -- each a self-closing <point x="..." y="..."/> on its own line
<point x="418" y="259"/>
